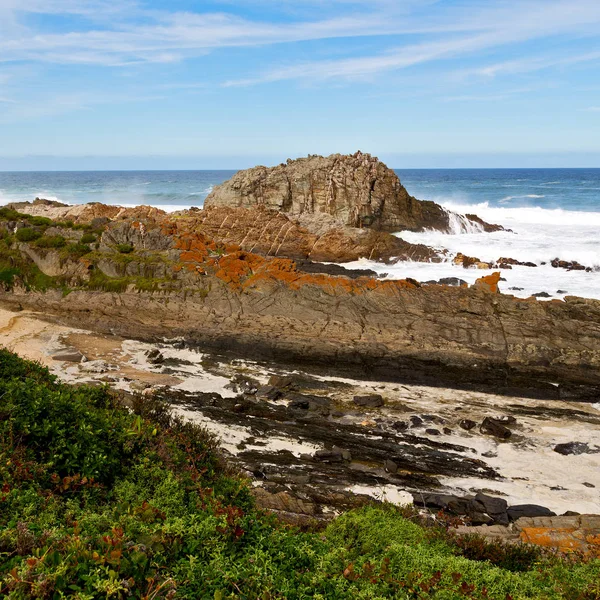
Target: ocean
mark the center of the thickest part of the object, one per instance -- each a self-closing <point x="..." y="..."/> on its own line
<point x="553" y="213"/>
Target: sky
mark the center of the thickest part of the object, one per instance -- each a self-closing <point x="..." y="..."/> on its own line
<point x="105" y="84"/>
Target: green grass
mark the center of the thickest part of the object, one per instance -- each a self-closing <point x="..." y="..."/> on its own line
<point x="100" y="501"/>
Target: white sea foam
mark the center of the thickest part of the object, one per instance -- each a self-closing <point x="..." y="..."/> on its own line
<point x="538" y="235"/>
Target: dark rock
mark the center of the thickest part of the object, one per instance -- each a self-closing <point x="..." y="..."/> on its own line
<point x="369" y="401"/>
<point x="416" y="421"/>
<point x="333" y="455"/>
<point x="467" y="424"/>
<point x="570" y="513"/>
<point x="454" y="281"/>
<point x="283" y="382"/>
<point x="572" y="265"/>
<point x="155" y="356"/>
<point x="400" y="425"/>
<point x="317" y="404"/>
<point x="495" y="427"/>
<point x="494" y="507"/>
<point x="562" y="292"/>
<point x="179" y="345"/>
<point x="516" y="289"/>
<point x="575" y="448"/>
<point x="542" y="295"/>
<point x="528" y="510"/>
<point x="390" y="466"/>
<point x="308" y="266"/>
<point x="432" y="431"/>
<point x="588" y="484"/>
<point x="455" y="505"/>
<point x="447" y="431"/>
<point x="269" y="392"/>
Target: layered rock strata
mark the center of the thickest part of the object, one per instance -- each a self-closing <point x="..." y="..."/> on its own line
<point x="355" y="190"/>
<point x="149" y="275"/>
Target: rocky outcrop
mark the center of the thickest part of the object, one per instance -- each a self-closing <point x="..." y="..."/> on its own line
<point x="272" y="233"/>
<point x="153" y="275"/>
<point x="355" y="190"/>
<point x="564" y="534"/>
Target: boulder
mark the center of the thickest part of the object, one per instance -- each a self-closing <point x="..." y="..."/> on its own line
<point x="495" y="427"/>
<point x="496" y="508"/>
<point x="574" y="448"/>
<point x="369" y="401"/>
<point x="467" y="424"/>
<point x="489" y="283"/>
<point x="528" y="510"/>
<point x="155" y="356"/>
<point x="68" y="355"/>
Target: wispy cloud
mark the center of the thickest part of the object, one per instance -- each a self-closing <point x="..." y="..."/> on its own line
<point x="462" y="36"/>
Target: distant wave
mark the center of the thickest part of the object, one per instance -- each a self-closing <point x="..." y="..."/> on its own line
<point x="507" y="198"/>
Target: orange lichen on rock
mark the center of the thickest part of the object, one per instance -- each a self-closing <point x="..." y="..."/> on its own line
<point x="489" y="283"/>
<point x="563" y="539"/>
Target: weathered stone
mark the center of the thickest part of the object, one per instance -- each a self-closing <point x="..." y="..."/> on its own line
<point x="356" y="191"/>
<point x="155" y="357"/>
<point x="574" y="448"/>
<point x="467" y="424"/>
<point x="528" y="510"/>
<point x="369" y="401"/>
<point x="495" y="427"/>
<point x="68" y="355"/>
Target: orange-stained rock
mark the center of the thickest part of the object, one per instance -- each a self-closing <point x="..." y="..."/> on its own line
<point x="489" y="283"/>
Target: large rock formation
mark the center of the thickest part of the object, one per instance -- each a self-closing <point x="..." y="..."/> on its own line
<point x="355" y="190"/>
<point x="150" y="275"/>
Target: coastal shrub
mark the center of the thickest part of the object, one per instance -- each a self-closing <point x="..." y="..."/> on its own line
<point x="40" y="221"/>
<point x="27" y="234"/>
<point x="51" y="241"/>
<point x="102" y="501"/>
<point x="77" y="250"/>
<point x="9" y="214"/>
<point x="124" y="248"/>
<point x="7" y="277"/>
<point x="88" y="238"/>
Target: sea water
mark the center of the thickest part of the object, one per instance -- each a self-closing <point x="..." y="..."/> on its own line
<point x="553" y="213"/>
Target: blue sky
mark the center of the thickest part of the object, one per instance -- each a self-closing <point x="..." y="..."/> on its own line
<point x="182" y="84"/>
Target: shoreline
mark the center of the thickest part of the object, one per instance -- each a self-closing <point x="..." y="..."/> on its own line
<point x="529" y="469"/>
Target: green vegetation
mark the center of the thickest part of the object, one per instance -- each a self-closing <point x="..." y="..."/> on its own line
<point x="28" y="234"/>
<point x="99" y="281"/>
<point x="124" y="248"/>
<point x="100" y="501"/>
<point x="76" y="250"/>
<point x="88" y="238"/>
<point x="51" y="241"/>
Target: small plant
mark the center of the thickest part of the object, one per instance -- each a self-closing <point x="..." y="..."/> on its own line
<point x="41" y="221"/>
<point x="88" y="238"/>
<point x="77" y="250"/>
<point x="51" y="241"/>
<point x="124" y="248"/>
<point x="27" y="234"/>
